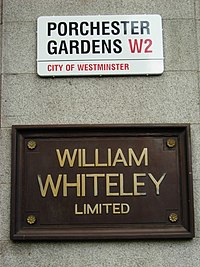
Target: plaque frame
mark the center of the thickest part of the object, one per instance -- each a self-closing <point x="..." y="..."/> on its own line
<point x="172" y="228"/>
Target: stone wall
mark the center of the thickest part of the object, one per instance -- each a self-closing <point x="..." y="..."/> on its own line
<point x="26" y="98"/>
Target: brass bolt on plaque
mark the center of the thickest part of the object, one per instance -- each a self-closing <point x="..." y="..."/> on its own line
<point x="31" y="219"/>
<point x="31" y="144"/>
<point x="171" y="142"/>
<point x="173" y="217"/>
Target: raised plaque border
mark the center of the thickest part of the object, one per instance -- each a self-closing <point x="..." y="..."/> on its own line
<point x="151" y="231"/>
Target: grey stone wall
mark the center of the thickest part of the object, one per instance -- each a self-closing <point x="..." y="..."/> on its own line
<point x="173" y="97"/>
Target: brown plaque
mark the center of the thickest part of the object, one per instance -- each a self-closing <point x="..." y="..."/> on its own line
<point x="101" y="182"/>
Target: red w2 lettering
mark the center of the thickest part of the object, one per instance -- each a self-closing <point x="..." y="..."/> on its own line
<point x="140" y="46"/>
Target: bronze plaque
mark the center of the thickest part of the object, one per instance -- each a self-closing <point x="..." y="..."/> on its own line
<point x="101" y="182"/>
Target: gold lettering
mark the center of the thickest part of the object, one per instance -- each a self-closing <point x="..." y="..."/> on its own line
<point x="132" y="156"/>
<point x="97" y="164"/>
<point x="123" y="210"/>
<point x="76" y="210"/>
<point x="94" y="210"/>
<point x="84" y="164"/>
<point x="136" y="184"/>
<point x="107" y="205"/>
<point x="83" y="184"/>
<point x="81" y="155"/>
<point x="99" y="208"/>
<point x="79" y="158"/>
<point x="109" y="184"/>
<point x="109" y="157"/>
<point x="116" y="208"/>
<point x="95" y="176"/>
<point x="49" y="181"/>
<point x="84" y="208"/>
<point x="121" y="188"/>
<point x="66" y="153"/>
<point x="157" y="183"/>
<point x="119" y="157"/>
<point x="66" y="185"/>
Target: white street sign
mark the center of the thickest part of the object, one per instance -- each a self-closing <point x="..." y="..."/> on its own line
<point x="99" y="45"/>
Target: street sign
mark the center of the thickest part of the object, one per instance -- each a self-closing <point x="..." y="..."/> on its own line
<point x="99" y="45"/>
